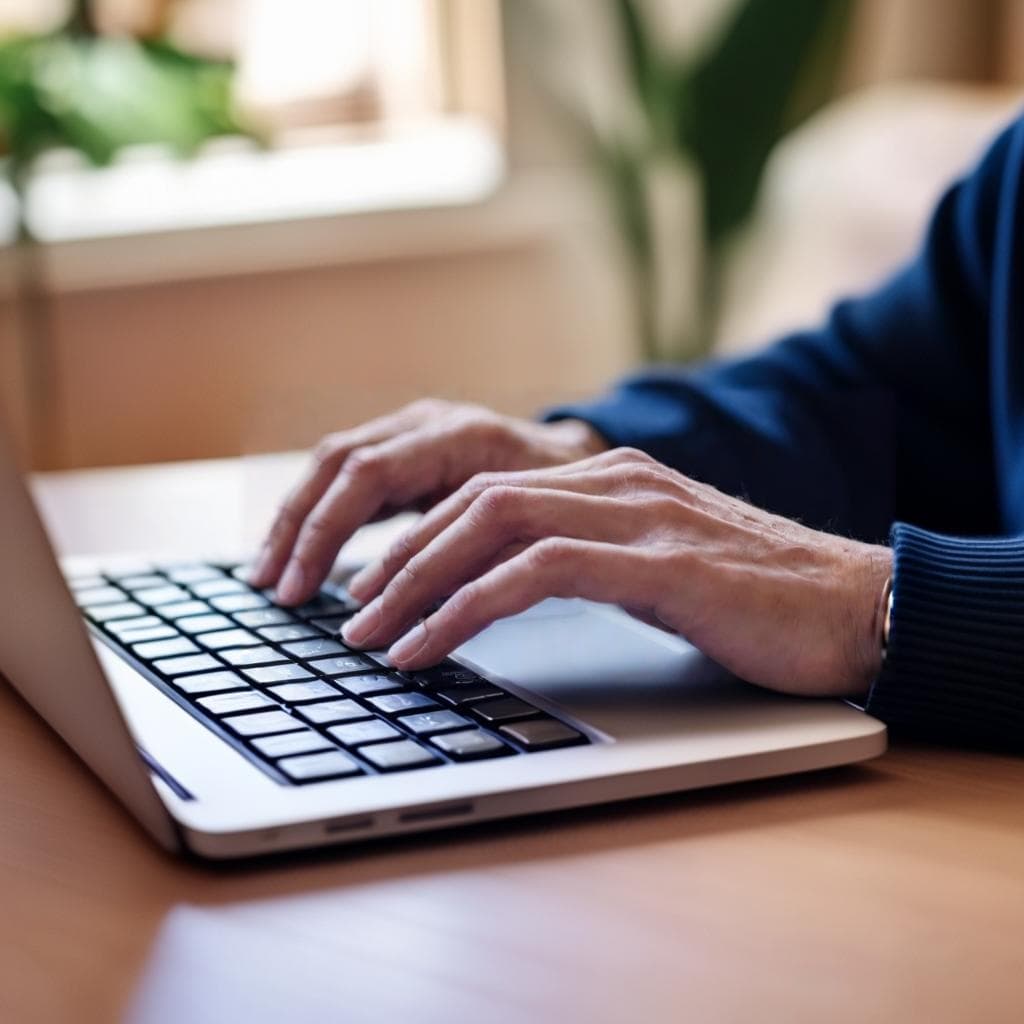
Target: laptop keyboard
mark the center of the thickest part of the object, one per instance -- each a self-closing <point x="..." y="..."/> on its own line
<point x="281" y="686"/>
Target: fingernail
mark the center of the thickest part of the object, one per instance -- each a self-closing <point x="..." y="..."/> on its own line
<point x="289" y="589"/>
<point x="359" y="629"/>
<point x="362" y="580"/>
<point x="409" y="646"/>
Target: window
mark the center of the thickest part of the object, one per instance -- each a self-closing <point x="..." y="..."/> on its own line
<point x="368" y="104"/>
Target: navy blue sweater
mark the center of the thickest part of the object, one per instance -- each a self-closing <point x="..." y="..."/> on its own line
<point x="902" y="417"/>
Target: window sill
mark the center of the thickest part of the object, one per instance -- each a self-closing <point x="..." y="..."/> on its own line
<point x="242" y="212"/>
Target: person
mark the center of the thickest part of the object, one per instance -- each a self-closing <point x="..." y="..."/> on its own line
<point x="841" y="514"/>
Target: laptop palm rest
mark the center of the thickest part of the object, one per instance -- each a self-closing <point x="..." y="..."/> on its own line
<point x="621" y="677"/>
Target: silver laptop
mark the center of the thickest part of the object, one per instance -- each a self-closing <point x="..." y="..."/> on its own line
<point x="229" y="727"/>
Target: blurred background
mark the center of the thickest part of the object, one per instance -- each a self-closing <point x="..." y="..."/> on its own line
<point x="231" y="226"/>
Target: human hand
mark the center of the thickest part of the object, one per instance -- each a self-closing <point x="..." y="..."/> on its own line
<point x="774" y="602"/>
<point x="411" y="458"/>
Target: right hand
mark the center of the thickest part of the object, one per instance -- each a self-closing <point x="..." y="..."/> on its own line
<point x="409" y="459"/>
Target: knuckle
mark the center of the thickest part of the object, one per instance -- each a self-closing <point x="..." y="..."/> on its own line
<point x="401" y="550"/>
<point x="500" y="502"/>
<point x="428" y="407"/>
<point x="664" y="508"/>
<point x="366" y="464"/>
<point x="287" y="523"/>
<point x="634" y="455"/>
<point x="460" y="606"/>
<point x="551" y="554"/>
<point x="317" y="527"/>
<point x="286" y="520"/>
<point x="481" y="482"/>
<point x="394" y="595"/>
<point x="408" y="574"/>
<point x="639" y="474"/>
<point x="479" y="423"/>
<point x="328" y="450"/>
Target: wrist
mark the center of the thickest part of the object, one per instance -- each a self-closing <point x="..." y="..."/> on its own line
<point x="871" y="589"/>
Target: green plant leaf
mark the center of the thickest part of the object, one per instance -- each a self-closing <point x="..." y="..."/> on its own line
<point x="98" y="95"/>
<point x="739" y="96"/>
<point x="648" y="70"/>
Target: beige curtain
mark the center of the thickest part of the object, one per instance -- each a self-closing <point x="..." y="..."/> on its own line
<point x="968" y="40"/>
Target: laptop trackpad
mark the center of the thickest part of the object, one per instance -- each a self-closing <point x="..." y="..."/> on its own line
<point x="608" y="670"/>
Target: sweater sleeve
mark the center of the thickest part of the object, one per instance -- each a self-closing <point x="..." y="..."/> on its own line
<point x="881" y="414"/>
<point x="954" y="669"/>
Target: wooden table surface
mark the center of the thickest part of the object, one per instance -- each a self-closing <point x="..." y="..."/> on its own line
<point x="892" y="891"/>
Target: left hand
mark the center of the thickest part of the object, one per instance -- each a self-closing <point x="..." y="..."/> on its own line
<point x="776" y="603"/>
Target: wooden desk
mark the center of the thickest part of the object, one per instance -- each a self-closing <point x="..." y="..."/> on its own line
<point x="888" y="892"/>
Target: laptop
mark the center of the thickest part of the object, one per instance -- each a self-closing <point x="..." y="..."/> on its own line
<point x="230" y="727"/>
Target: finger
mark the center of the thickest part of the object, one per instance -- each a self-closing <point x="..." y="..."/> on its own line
<point x="596" y="475"/>
<point x="555" y="567"/>
<point x="497" y="518"/>
<point x="392" y="475"/>
<point x="326" y="460"/>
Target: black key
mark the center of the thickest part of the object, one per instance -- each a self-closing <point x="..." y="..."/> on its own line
<point x="182" y="609"/>
<point x="190" y="663"/>
<point x="300" y="693"/>
<point x="125" y="626"/>
<point x="372" y="731"/>
<point x="287" y="744"/>
<point x="396" y="703"/>
<point x="277" y="674"/>
<point x="164" y="648"/>
<point x="252" y="656"/>
<point x="204" y="623"/>
<point x="98" y="595"/>
<point x="214" y="588"/>
<point x="504" y="709"/>
<point x="193" y="573"/>
<point x="138" y="636"/>
<point x="231" y="703"/>
<point x="469" y="692"/>
<point x="391" y="757"/>
<point x="153" y="597"/>
<point x="323" y="606"/>
<point x="434" y="721"/>
<point x="332" y="711"/>
<point x="334" y="764"/>
<point x="262" y="723"/>
<point x="318" y="647"/>
<point x="543" y="734"/>
<point x="210" y="682"/>
<point x="331" y="626"/>
<point x="145" y="582"/>
<point x="381" y="657"/>
<point x="263" y="617"/>
<point x="228" y="638"/>
<point x="348" y="664"/>
<point x="122" y="610"/>
<point x="238" y="602"/>
<point x="365" y="686"/>
<point x="447" y="674"/>
<point x="283" y="634"/>
<point x="470" y="744"/>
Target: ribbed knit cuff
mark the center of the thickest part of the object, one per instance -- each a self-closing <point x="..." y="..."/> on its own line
<point x="954" y="668"/>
